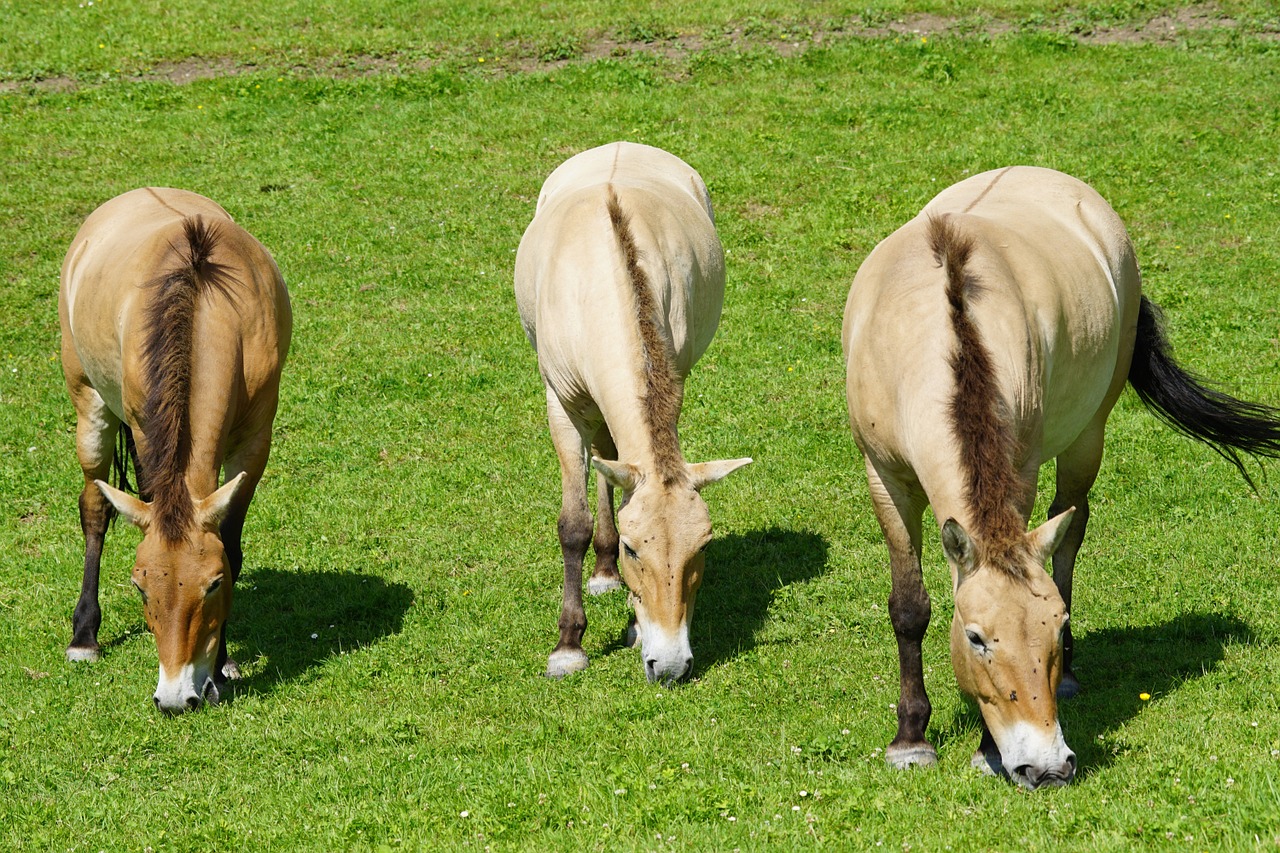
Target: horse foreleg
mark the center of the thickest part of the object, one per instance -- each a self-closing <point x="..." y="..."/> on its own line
<point x="605" y="544"/>
<point x="251" y="459"/>
<point x="96" y="430"/>
<point x="909" y="611"/>
<point x="987" y="757"/>
<point x="1077" y="469"/>
<point x="574" y="529"/>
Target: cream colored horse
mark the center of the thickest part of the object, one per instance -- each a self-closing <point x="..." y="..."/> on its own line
<point x="988" y="335"/>
<point x="619" y="280"/>
<point x="175" y="324"/>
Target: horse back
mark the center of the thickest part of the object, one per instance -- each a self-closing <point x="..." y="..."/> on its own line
<point x="1054" y="299"/>
<point x="576" y="297"/>
<point x="110" y="277"/>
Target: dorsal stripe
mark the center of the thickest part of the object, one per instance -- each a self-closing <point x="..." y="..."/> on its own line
<point x="978" y="414"/>
<point x="663" y="385"/>
<point x="167" y="359"/>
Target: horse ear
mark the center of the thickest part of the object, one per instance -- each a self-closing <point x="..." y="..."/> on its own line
<point x="621" y="474"/>
<point x="1046" y="538"/>
<point x="137" y="511"/>
<point x="212" y="510"/>
<point x="706" y="473"/>
<point x="958" y="547"/>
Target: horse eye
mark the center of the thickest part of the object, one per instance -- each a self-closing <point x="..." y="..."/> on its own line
<point x="142" y="592"/>
<point x="630" y="552"/>
<point x="213" y="587"/>
<point x="976" y="641"/>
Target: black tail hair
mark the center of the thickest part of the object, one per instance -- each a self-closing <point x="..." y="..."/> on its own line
<point x="1181" y="400"/>
<point x="120" y="460"/>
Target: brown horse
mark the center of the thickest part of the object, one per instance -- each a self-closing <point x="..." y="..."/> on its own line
<point x="175" y="324"/>
<point x="619" y="281"/>
<point x="988" y="335"/>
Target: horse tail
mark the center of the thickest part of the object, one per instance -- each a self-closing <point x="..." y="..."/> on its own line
<point x="120" y="460"/>
<point x="1181" y="399"/>
<point x="166" y="358"/>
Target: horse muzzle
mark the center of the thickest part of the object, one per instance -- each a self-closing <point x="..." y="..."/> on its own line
<point x="1035" y="759"/>
<point x="667" y="659"/>
<point x="191" y="688"/>
<point x="1056" y="776"/>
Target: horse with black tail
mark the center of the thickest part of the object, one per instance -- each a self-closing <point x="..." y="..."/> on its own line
<point x="175" y="325"/>
<point x="991" y="333"/>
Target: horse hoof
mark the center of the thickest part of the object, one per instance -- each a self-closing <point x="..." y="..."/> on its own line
<point x="565" y="663"/>
<point x="80" y="653"/>
<point x="599" y="585"/>
<point x="1069" y="687"/>
<point x="231" y="670"/>
<point x="903" y="757"/>
<point x="988" y="763"/>
<point x="631" y="636"/>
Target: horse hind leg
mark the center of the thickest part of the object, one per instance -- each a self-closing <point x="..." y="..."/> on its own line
<point x="605" y="578"/>
<point x="574" y="528"/>
<point x="899" y="515"/>
<point x="96" y="429"/>
<point x="1077" y="470"/>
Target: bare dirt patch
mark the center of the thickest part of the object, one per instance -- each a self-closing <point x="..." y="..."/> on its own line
<point x="518" y="58"/>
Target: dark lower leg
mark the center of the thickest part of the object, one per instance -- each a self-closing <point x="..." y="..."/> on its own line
<point x="231" y="531"/>
<point x="574" y="537"/>
<point x="605" y="544"/>
<point x="909" y="612"/>
<point x="95" y="514"/>
<point x="987" y="757"/>
<point x="1064" y="560"/>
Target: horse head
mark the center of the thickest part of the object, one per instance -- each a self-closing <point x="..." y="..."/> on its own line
<point x="186" y="587"/>
<point x="1006" y="647"/>
<point x="664" y="527"/>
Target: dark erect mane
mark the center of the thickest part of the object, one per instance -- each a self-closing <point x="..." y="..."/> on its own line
<point x="663" y="386"/>
<point x="987" y="443"/>
<point x="166" y="360"/>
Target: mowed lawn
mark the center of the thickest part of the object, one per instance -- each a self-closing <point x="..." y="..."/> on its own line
<point x="402" y="575"/>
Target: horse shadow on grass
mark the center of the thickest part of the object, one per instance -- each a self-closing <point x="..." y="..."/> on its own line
<point x="1116" y="666"/>
<point x="284" y="623"/>
<point x="743" y="574"/>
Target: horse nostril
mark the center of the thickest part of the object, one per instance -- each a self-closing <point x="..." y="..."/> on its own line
<point x="193" y="702"/>
<point x="688" y="667"/>
<point x="651" y="668"/>
<point x="156" y="699"/>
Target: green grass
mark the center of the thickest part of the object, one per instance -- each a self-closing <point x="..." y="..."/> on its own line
<point x="402" y="581"/>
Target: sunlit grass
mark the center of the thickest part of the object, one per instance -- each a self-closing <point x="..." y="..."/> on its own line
<point x="402" y="580"/>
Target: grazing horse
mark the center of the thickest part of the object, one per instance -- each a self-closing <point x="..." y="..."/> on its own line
<point x="619" y="280"/>
<point x="992" y="333"/>
<point x="175" y="324"/>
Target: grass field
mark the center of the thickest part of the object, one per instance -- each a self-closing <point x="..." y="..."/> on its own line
<point x="402" y="572"/>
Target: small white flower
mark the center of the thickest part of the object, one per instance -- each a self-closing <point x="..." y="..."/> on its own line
<point x="315" y="636"/>
<point x="795" y="808"/>
<point x="804" y="793"/>
<point x="464" y="813"/>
